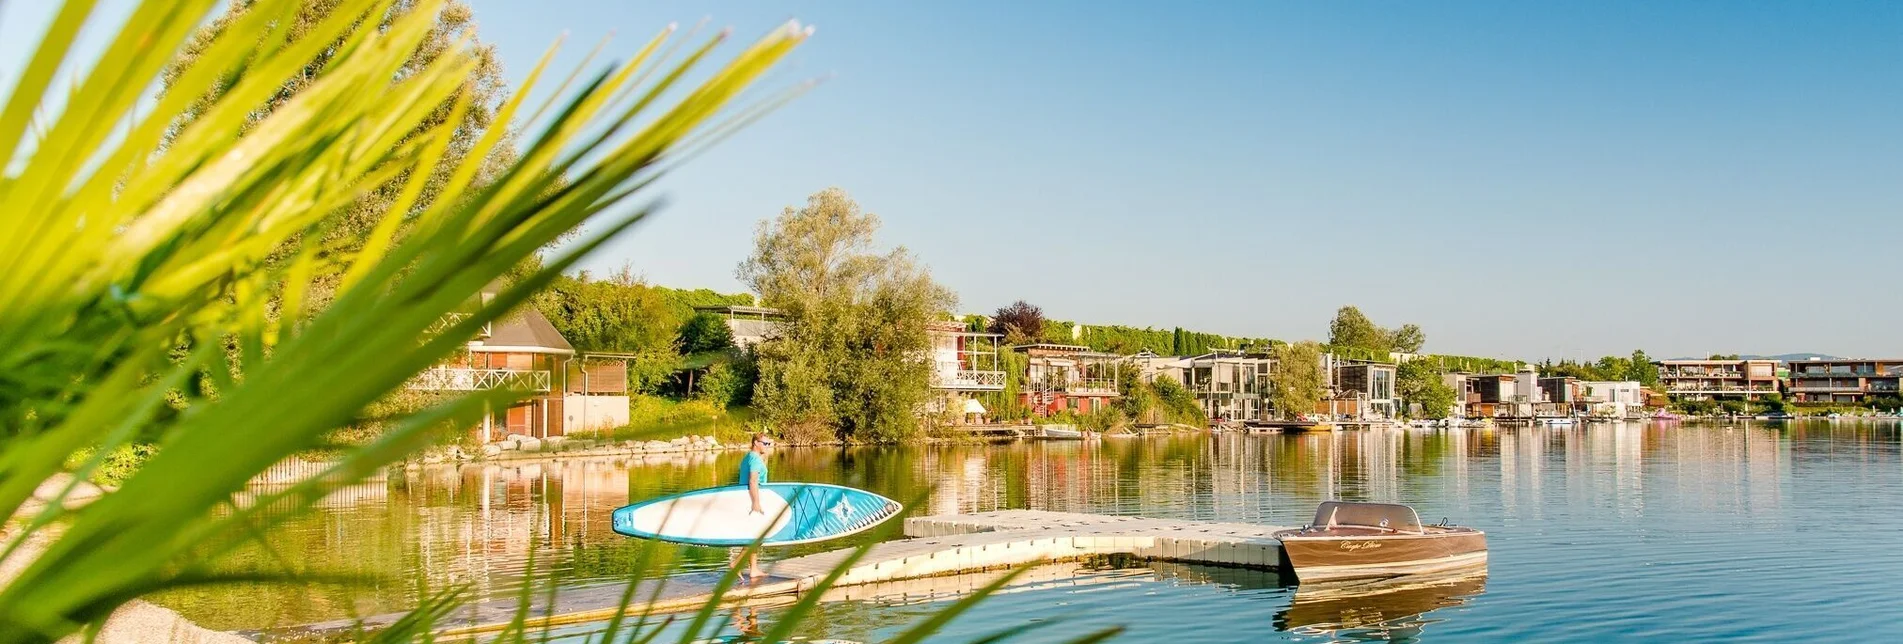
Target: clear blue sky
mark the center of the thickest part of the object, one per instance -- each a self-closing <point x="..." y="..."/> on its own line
<point x="1520" y="179"/>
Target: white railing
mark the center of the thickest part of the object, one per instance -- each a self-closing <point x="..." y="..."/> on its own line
<point x="1098" y="386"/>
<point x="463" y="379"/>
<point x="968" y="379"/>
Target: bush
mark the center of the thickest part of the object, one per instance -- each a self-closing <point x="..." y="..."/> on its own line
<point x="725" y="385"/>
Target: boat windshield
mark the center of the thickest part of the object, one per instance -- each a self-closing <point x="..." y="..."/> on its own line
<point x="1393" y="516"/>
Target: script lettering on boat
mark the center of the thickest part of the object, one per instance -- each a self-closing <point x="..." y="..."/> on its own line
<point x="1357" y="546"/>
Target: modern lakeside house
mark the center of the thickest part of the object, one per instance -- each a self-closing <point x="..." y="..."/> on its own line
<point x="1718" y="379"/>
<point x="1838" y="380"/>
<point x="1060" y="377"/>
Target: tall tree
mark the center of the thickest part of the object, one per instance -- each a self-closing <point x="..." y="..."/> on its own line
<point x="621" y="314"/>
<point x="483" y="89"/>
<point x="1419" y="382"/>
<point x="1296" y="385"/>
<point x="1351" y="328"/>
<point x="1642" y="369"/>
<point x="705" y="332"/>
<point x="1407" y="339"/>
<point x="846" y="359"/>
<point x="1020" y="322"/>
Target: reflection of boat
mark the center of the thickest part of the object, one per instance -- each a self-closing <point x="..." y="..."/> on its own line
<point x="1386" y="605"/>
<point x="1365" y="540"/>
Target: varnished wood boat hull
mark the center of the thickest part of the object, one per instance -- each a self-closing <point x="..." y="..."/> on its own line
<point x="1331" y="557"/>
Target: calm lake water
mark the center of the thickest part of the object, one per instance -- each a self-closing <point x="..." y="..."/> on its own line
<point x="1749" y="530"/>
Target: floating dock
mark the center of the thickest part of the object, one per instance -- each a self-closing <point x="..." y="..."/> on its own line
<point x="936" y="546"/>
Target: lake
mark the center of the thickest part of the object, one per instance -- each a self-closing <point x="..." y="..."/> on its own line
<point x="1773" y="531"/>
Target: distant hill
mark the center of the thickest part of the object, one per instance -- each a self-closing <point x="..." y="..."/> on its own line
<point x="1796" y="357"/>
<point x="1782" y="357"/>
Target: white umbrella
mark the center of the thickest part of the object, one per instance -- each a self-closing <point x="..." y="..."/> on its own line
<point x="972" y="406"/>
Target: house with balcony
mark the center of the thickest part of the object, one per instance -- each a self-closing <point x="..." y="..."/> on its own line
<point x="965" y="364"/>
<point x="1718" y="379"/>
<point x="1358" y="389"/>
<point x="1844" y="381"/>
<point x="563" y="390"/>
<point x="1059" y="377"/>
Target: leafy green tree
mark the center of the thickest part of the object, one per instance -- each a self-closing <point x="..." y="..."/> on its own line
<point x="846" y="360"/>
<point x="1640" y="368"/>
<point x="620" y="314"/>
<point x="1419" y="382"/>
<point x="1296" y="385"/>
<point x="1177" y="403"/>
<point x="705" y="332"/>
<point x="1351" y="328"/>
<point x="352" y="228"/>
<point x="1437" y="400"/>
<point x="1407" y="339"/>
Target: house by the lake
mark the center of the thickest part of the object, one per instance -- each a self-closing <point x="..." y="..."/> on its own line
<point x="1060" y="377"/>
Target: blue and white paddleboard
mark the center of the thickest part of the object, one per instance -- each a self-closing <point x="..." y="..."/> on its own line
<point x="722" y="516"/>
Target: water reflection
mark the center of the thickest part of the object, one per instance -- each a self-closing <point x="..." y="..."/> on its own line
<point x="1377" y="610"/>
<point x="1682" y="505"/>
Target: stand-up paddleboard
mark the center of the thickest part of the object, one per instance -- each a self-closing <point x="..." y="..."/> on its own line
<point x="722" y="516"/>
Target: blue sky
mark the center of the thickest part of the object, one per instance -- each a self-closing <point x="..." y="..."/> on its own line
<point x="1520" y="179"/>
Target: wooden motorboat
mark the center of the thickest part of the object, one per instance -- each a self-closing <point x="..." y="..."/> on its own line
<point x="1369" y="540"/>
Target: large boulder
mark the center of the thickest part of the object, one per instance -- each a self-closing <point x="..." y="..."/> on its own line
<point x="492" y="450"/>
<point x="529" y="444"/>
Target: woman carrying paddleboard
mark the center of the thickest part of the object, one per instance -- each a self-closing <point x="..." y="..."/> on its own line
<point x="753" y="475"/>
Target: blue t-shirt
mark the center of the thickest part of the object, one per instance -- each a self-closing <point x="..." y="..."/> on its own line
<point x="752" y="465"/>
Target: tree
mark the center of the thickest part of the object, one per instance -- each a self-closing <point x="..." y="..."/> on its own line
<point x="705" y="332"/>
<point x="846" y="359"/>
<point x="1020" y="322"/>
<point x="1407" y="339"/>
<point x="1640" y="368"/>
<point x="1419" y="382"/>
<point x="1296" y="386"/>
<point x="1437" y="400"/>
<point x="1177" y="402"/>
<point x="622" y="314"/>
<point x="1352" y="329"/>
<point x="484" y="90"/>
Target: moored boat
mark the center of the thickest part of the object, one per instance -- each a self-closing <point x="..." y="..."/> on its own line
<point x="1369" y="540"/>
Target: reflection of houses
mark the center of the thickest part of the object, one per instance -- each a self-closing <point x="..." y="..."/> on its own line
<point x="749" y="324"/>
<point x="1060" y="377"/>
<point x="964" y="364"/>
<point x="1358" y="388"/>
<point x="1844" y="381"/>
<point x="1718" y="379"/>
<point x="524" y="352"/>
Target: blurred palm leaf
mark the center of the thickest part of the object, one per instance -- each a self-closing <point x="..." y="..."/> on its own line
<point x="139" y="294"/>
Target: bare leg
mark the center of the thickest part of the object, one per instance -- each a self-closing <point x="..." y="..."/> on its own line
<point x="753" y="566"/>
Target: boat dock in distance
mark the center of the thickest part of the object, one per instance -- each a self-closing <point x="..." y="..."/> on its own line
<point x="937" y="546"/>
